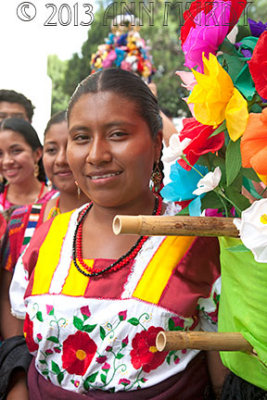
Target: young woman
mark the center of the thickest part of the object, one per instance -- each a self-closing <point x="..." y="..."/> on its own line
<point x="26" y="219"/>
<point x="21" y="168"/>
<point x="95" y="301"/>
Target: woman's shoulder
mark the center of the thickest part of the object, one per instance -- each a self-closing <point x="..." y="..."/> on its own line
<point x="51" y="194"/>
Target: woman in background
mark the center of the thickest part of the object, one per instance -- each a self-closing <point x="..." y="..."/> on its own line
<point x="21" y="169"/>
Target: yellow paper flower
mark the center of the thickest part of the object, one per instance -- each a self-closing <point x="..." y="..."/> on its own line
<point x="215" y="99"/>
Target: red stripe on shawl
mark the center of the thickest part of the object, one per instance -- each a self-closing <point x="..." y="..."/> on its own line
<point x="193" y="278"/>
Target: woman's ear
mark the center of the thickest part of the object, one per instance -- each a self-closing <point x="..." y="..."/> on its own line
<point x="37" y="154"/>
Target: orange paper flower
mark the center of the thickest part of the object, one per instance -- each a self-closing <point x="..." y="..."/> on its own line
<point x="254" y="144"/>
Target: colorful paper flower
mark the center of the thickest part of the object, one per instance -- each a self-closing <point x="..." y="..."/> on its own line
<point x="78" y="352"/>
<point x="144" y="353"/>
<point x="28" y="334"/>
<point x="209" y="182"/>
<point x="206" y="26"/>
<point x="125" y="49"/>
<point x="253" y="229"/>
<point x="200" y="141"/>
<point x="258" y="65"/>
<point x="175" y="149"/>
<point x="256" y="28"/>
<point x="182" y="185"/>
<point x="254" y="144"/>
<point x="216" y="99"/>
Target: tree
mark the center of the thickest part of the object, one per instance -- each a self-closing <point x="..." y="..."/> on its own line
<point x="56" y="71"/>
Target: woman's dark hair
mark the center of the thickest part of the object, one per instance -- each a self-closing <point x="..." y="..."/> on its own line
<point x="25" y="129"/>
<point x="56" y="118"/>
<point x="127" y="85"/>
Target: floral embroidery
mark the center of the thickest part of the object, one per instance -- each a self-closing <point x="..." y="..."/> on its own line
<point x="78" y="352"/>
<point x="28" y="333"/>
<point x="145" y="354"/>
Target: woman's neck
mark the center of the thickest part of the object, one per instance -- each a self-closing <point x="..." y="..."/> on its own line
<point x="26" y="192"/>
<point x="144" y="205"/>
<point x="70" y="201"/>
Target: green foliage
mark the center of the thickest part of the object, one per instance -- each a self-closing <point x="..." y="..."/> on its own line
<point x="162" y="21"/>
<point x="56" y="71"/>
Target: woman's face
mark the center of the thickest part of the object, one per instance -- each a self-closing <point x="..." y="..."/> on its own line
<point x="17" y="159"/>
<point x="54" y="159"/>
<point x="110" y="149"/>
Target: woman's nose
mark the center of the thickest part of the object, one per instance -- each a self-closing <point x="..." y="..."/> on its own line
<point x="7" y="158"/>
<point x="61" y="157"/>
<point x="99" y="151"/>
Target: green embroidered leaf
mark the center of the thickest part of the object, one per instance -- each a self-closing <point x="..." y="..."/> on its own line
<point x="43" y="361"/>
<point x="133" y="321"/>
<point x="60" y="377"/>
<point x="112" y="390"/>
<point x="103" y="378"/>
<point x="102" y="333"/>
<point x="55" y="367"/>
<point x="39" y="316"/>
<point x="78" y="323"/>
<point x="53" y="339"/>
<point x="89" y="379"/>
<point x="168" y="359"/>
<point x="240" y="247"/>
<point x="171" y="324"/>
<point x="89" y="328"/>
<point x="45" y="372"/>
<point x="119" y="356"/>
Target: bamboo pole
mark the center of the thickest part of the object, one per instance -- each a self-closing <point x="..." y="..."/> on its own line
<point x="174" y="226"/>
<point x="220" y="341"/>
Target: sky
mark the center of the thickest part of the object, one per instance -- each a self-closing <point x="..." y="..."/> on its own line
<point x="30" y="31"/>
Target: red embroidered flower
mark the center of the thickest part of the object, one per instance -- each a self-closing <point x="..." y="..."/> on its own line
<point x="28" y="333"/>
<point x="78" y="352"/>
<point x="144" y="353"/>
<point x="258" y="65"/>
<point x="200" y="142"/>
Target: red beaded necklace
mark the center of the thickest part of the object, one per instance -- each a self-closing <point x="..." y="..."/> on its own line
<point x="121" y="262"/>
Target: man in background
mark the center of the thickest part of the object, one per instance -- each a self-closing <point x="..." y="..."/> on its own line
<point x="14" y="104"/>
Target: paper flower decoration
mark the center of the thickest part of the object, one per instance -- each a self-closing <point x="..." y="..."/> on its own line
<point x="125" y="49"/>
<point x="206" y="26"/>
<point x="216" y="99"/>
<point x="200" y="141"/>
<point x="182" y="185"/>
<point x="253" y="229"/>
<point x="254" y="144"/>
<point x="258" y="65"/>
<point x="209" y="182"/>
<point x="175" y="149"/>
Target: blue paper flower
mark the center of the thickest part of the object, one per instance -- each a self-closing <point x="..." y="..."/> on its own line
<point x="182" y="185"/>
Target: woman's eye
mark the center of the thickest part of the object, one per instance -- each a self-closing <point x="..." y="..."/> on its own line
<point x="81" y="138"/>
<point x="118" y="134"/>
<point x="16" y="151"/>
<point x="50" y="151"/>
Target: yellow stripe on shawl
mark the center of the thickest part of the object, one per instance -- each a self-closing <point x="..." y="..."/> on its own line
<point x="160" y="268"/>
<point x="49" y="254"/>
<point x="76" y="283"/>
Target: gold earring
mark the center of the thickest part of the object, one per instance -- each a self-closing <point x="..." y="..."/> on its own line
<point x="156" y="178"/>
<point x="36" y="170"/>
<point x="78" y="189"/>
<point x="1" y="178"/>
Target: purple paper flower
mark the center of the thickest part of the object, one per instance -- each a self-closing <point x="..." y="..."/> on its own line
<point x="256" y="28"/>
